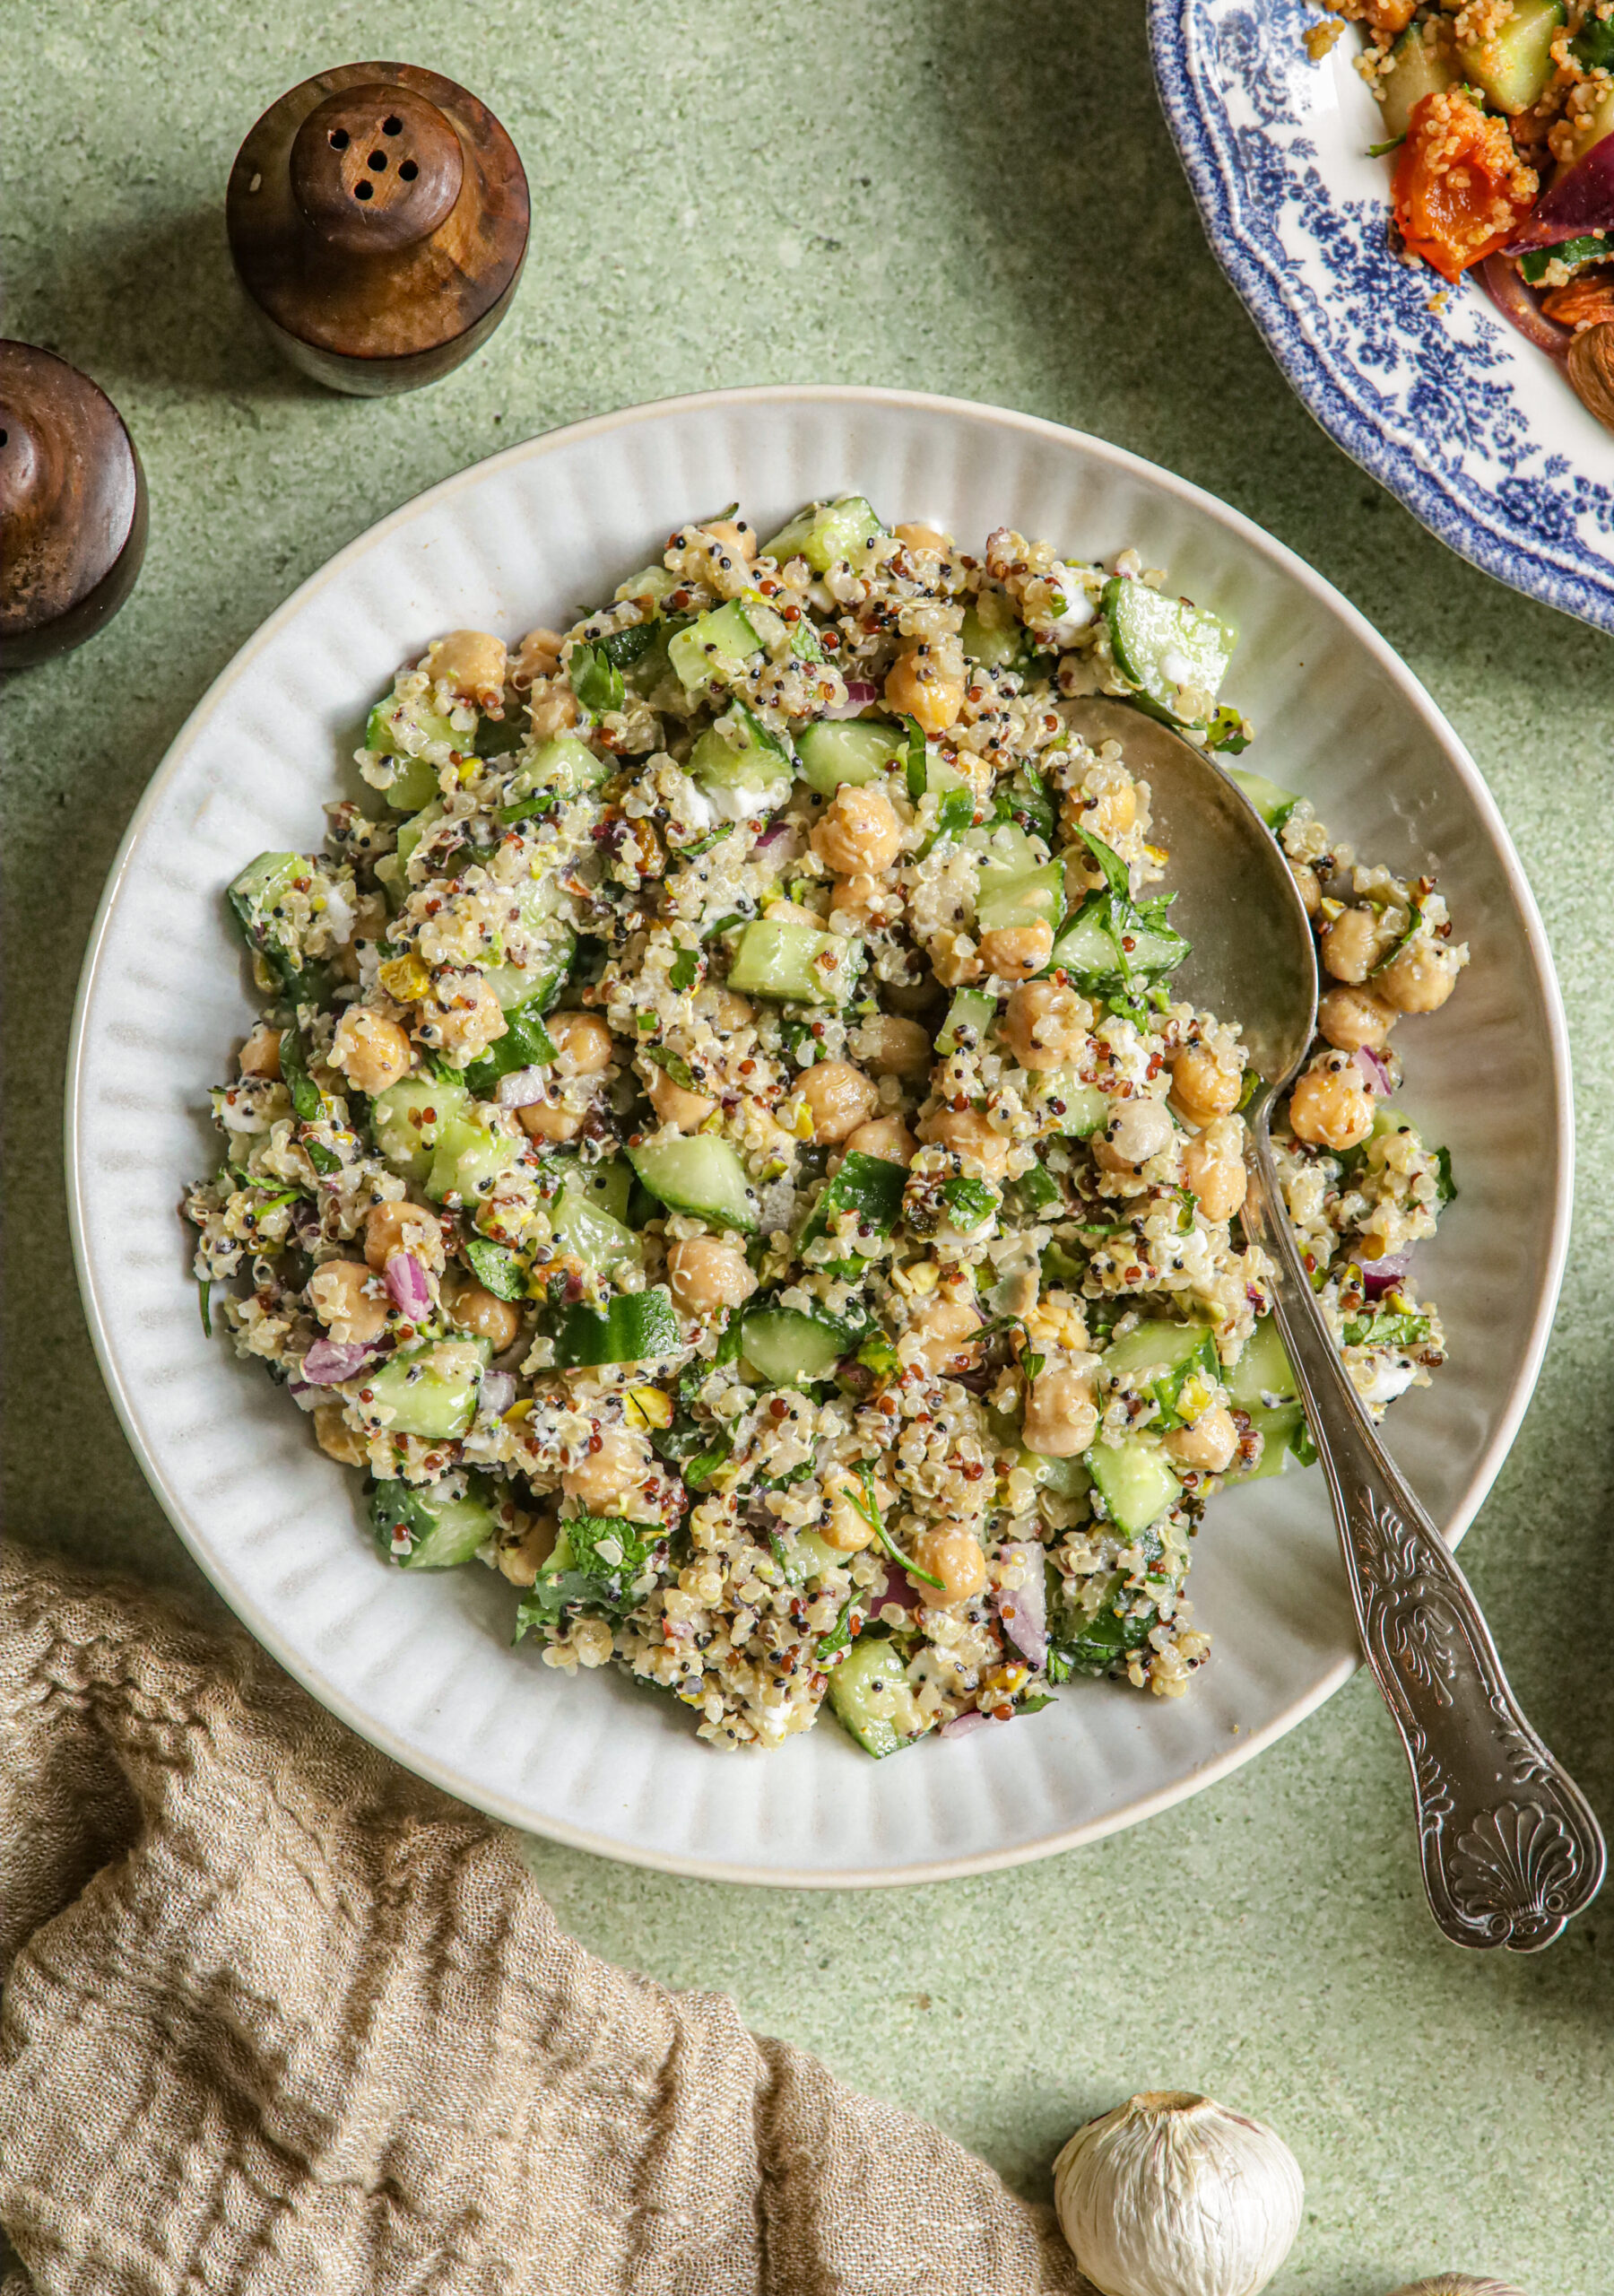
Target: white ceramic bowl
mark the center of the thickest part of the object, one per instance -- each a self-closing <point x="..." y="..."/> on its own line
<point x="422" y="1664"/>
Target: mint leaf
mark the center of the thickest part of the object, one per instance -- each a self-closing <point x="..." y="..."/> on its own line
<point x="496" y="1267"/>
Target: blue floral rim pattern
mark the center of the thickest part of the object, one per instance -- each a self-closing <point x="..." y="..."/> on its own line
<point x="1424" y="401"/>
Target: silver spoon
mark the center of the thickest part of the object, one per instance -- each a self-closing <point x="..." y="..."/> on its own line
<point x="1511" y="1851"/>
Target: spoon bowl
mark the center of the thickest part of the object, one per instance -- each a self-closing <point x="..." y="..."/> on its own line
<point x="1510" y="1847"/>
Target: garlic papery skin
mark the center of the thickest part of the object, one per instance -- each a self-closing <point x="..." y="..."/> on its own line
<point x="1458" y="2283"/>
<point x="1173" y="2195"/>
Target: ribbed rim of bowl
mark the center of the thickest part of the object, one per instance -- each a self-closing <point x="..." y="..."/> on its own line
<point x="1510" y="553"/>
<point x="450" y="1779"/>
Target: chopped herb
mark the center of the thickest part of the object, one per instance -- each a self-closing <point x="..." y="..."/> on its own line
<point x="307" y="1099"/>
<point x="323" y="1159"/>
<point x="868" y="1508"/>
<point x="203" y="1295"/>
<point x="1254" y="1084"/>
<point x="1388" y="1328"/>
<point x="1116" y="875"/>
<point x="968" y="1202"/>
<point x="595" y="680"/>
<point x="1391" y="143"/>
<point x="839" y="1636"/>
<point x="1445" y="1187"/>
<point x="916" y="766"/>
<point x="497" y="1268"/>
<point x="526" y="807"/>
<point x="674" y="1063"/>
<point x="685" y="965"/>
<point x="623" y="647"/>
<point x="704" y="843"/>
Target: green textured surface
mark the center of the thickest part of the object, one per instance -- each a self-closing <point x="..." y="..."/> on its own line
<point x="964" y="198"/>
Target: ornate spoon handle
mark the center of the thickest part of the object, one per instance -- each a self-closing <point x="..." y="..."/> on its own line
<point x="1510" y="1849"/>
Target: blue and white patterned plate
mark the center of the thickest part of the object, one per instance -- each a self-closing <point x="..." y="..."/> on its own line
<point x="1473" y="427"/>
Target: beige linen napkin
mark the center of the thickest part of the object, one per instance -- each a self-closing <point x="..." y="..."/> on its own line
<point x="280" y="2018"/>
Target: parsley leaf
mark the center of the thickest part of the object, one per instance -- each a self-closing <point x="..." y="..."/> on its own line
<point x="497" y="1268"/>
<point x="205" y="1294"/>
<point x="685" y="965"/>
<point x="307" y="1101"/>
<point x="323" y="1159"/>
<point x="968" y="1202"/>
<point x="1115" y="873"/>
<point x="596" y="679"/>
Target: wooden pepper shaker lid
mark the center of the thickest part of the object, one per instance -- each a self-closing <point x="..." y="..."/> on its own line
<point x="73" y="506"/>
<point x="377" y="218"/>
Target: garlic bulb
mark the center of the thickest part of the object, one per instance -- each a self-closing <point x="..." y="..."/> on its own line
<point x="1459" y="2284"/>
<point x="1173" y="2195"/>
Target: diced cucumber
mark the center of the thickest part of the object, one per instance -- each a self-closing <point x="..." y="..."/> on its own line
<point x="403" y="730"/>
<point x="408" y="1119"/>
<point x="255" y="896"/>
<point x="1161" y="1359"/>
<point x="1263" y="1369"/>
<point x="1594" y="126"/>
<point x="993" y="633"/>
<point x="649" y="582"/>
<point x="871" y="1187"/>
<point x="1008" y="898"/>
<point x="714" y="650"/>
<point x="1087" y="950"/>
<point x="606" y="1187"/>
<point x="1272" y="803"/>
<point x="1085" y="1109"/>
<point x="825" y="532"/>
<point x="1175" y="653"/>
<point x="415" y="784"/>
<point x="410" y="834"/>
<point x="871" y="1698"/>
<point x="970" y="1009"/>
<point x="1283" y="1433"/>
<point x="803" y="1556"/>
<point x="636" y="1326"/>
<point x="430" y="1390"/>
<point x="1062" y="1478"/>
<point x="787" y="1349"/>
<point x="1135" y="1482"/>
<point x="445" y="1523"/>
<point x="833" y="752"/>
<point x="741" y="765"/>
<point x="594" y="1236"/>
<point x="470" y="1156"/>
<point x="700" y="1175"/>
<point x="791" y="961"/>
<point x="566" y="765"/>
<point x="1005" y="849"/>
<point x="1514" y="65"/>
<point x="1418" y="67"/>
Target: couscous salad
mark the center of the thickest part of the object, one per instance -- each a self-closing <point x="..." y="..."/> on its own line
<point x="722" y="1149"/>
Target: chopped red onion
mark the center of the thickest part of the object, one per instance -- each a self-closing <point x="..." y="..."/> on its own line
<point x="305" y="1220"/>
<point x="860" y="693"/>
<point x="497" y="1393"/>
<point x="521" y="1089"/>
<point x="407" y="1286"/>
<point x="771" y="835"/>
<point x="1024" y="1610"/>
<point x="901" y="1588"/>
<point x="329" y="1361"/>
<point x="1520" y="308"/>
<point x="1375" y="1069"/>
<point x="962" y="1724"/>
<point x="1381" y="1275"/>
<point x="1581" y="201"/>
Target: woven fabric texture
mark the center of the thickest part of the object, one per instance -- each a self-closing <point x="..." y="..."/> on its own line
<point x="280" y="2018"/>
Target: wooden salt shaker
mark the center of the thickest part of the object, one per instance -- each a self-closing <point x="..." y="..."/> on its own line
<point x="377" y="218"/>
<point x="73" y="506"/>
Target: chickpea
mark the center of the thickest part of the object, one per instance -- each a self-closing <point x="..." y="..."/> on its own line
<point x="1420" y="979"/>
<point x="861" y="897"/>
<point x="1350" y="1018"/>
<point x="1045" y="1026"/>
<point x="971" y="1134"/>
<point x="461" y="1012"/>
<point x="859" y="831"/>
<point x="531" y="1545"/>
<point x="1138" y="1132"/>
<point x="583" y="1043"/>
<point x="840" y="1097"/>
<point x="740" y="537"/>
<point x="348" y="1301"/>
<point x="947" y="1325"/>
<point x="1062" y="1418"/>
<point x="1205" y="1084"/>
<point x="919" y="537"/>
<point x="728" y="1011"/>
<point x="602" y="1477"/>
<point x="485" y="1316"/>
<point x="1330" y="1105"/>
<point x="473" y="663"/>
<point x="684" y="1111"/>
<point x="910" y="996"/>
<point x="370" y="1051"/>
<point x="953" y="1554"/>
<point x="1350" y="944"/>
<point x="1015" y="951"/>
<point x="538" y="1121"/>
<point x="1309" y="888"/>
<point x="402" y="1227"/>
<point x="845" y="1527"/>
<point x="917" y="686"/>
<point x="1213" y="1168"/>
<point x="336" y="1439"/>
<point x="1210" y="1444"/>
<point x="538" y="655"/>
<point x="791" y="912"/>
<point x="260" y="1054"/>
<point x="553" y="710"/>
<point x="706" y="1272"/>
<point x="887" y="1136"/>
<point x="894" y="1047"/>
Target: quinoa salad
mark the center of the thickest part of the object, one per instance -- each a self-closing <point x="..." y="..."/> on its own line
<point x="721" y="1148"/>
